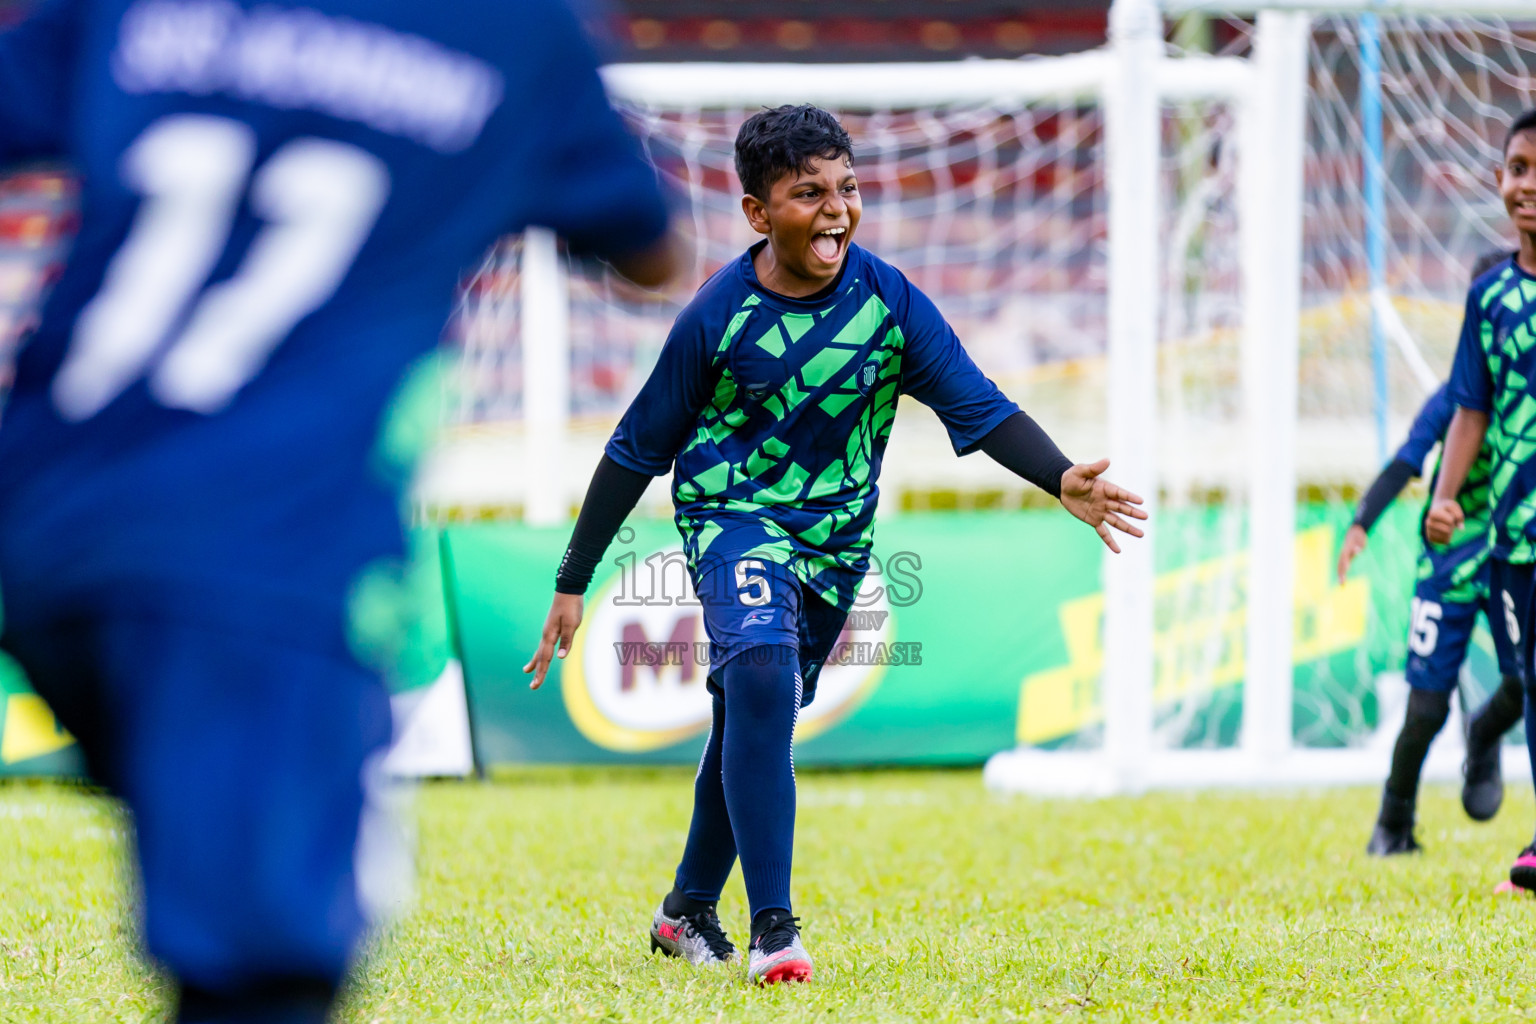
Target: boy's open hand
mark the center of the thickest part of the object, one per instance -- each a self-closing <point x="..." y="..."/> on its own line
<point x="1444" y="519"/>
<point x="1354" y="542"/>
<point x="1100" y="503"/>
<point x="559" y="627"/>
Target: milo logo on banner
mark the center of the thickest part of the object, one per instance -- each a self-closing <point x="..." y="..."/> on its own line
<point x="635" y="677"/>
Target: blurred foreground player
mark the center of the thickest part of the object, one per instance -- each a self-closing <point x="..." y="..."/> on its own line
<point x="1493" y="383"/>
<point x="276" y="204"/>
<point x="1450" y="590"/>
<point x="771" y="403"/>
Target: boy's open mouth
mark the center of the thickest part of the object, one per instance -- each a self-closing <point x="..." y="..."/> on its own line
<point x="828" y="244"/>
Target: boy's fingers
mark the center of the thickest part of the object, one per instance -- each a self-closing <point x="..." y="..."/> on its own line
<point x="1107" y="537"/>
<point x="1123" y="526"/>
<point x="538" y="655"/>
<point x="1121" y="494"/>
<point x="1093" y="469"/>
<point x="1127" y="510"/>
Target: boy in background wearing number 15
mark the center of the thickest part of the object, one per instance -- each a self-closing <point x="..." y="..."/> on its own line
<point x="1450" y="590"/>
<point x="772" y="402"/>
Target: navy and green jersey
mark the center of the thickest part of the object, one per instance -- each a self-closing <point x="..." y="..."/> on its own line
<point x="774" y="414"/>
<point x="1495" y="373"/>
<point x="1456" y="567"/>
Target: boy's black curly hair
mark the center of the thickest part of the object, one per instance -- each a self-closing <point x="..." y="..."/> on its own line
<point x="1524" y="123"/>
<point x="772" y="143"/>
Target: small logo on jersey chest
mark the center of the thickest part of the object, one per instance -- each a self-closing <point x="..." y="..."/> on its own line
<point x="867" y="376"/>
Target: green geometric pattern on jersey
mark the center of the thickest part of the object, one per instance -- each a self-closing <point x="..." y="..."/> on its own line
<point x="783" y="461"/>
<point x="1512" y="426"/>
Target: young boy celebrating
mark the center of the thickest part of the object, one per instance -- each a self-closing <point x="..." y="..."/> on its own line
<point x="1451" y="588"/>
<point x="774" y="397"/>
<point x="1493" y="382"/>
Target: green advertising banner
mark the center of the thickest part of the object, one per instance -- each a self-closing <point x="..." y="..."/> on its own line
<point x="31" y="739"/>
<point x="977" y="631"/>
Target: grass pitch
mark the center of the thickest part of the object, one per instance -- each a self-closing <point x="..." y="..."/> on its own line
<point x="923" y="898"/>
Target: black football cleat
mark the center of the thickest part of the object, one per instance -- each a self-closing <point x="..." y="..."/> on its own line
<point x="1482" y="785"/>
<point x="1387" y="842"/>
<point x="1394" y="828"/>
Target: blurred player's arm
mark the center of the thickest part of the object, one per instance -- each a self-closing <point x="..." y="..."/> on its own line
<point x="1389" y="483"/>
<point x="36" y="62"/>
<point x="937" y="371"/>
<point x="643" y="446"/>
<point x="1428" y="430"/>
<point x="600" y="194"/>
<point x="1471" y="388"/>
<point x="656" y="264"/>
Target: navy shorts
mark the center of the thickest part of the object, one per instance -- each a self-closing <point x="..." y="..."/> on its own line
<point x="243" y="762"/>
<point x="752" y="602"/>
<point x="1440" y="631"/>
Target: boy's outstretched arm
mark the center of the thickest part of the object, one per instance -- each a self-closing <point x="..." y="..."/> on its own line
<point x="1463" y="441"/>
<point x="611" y="496"/>
<point x="1020" y="445"/>
<point x="642" y="447"/>
<point x="1100" y="503"/>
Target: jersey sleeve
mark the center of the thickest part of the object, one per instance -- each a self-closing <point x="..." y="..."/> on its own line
<point x="1471" y="384"/>
<point x="937" y="371"/>
<point x="660" y="419"/>
<point x="1428" y="429"/>
<point x="595" y="189"/>
<point x="37" y="58"/>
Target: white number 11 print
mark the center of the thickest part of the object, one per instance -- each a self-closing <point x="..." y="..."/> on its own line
<point x="318" y="200"/>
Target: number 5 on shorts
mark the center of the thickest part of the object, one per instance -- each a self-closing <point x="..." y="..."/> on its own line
<point x="748" y="579"/>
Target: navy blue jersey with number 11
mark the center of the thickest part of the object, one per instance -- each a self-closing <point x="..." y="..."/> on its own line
<point x="277" y="202"/>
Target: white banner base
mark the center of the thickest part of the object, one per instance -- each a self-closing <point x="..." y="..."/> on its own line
<point x="432" y="737"/>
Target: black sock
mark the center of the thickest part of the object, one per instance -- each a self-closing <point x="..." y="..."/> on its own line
<point x="680" y="904"/>
<point x="764" y="919"/>
<point x="1427" y="712"/>
<point x="1499" y="714"/>
<point x="276" y="1001"/>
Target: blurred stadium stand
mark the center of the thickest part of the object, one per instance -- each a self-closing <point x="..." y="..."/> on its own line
<point x="852" y="30"/>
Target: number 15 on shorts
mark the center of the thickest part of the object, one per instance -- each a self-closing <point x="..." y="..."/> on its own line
<point x="1423" y="626"/>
